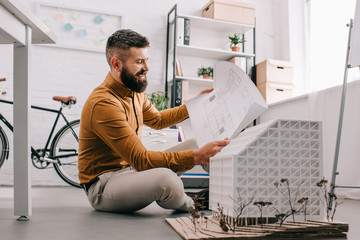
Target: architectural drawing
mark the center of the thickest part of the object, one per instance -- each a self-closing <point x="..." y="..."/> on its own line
<point x="218" y="118"/>
<point x="233" y="104"/>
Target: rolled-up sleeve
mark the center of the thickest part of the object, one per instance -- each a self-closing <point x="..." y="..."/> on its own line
<point x="166" y="118"/>
<point x="109" y="122"/>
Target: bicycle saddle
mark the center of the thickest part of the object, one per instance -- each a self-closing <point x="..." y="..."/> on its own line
<point x="65" y="100"/>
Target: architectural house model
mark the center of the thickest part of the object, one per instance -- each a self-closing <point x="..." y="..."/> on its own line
<point x="248" y="167"/>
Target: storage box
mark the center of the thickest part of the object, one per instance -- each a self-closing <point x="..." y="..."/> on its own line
<point x="274" y="79"/>
<point x="274" y="71"/>
<point x="229" y="10"/>
<point x="274" y="92"/>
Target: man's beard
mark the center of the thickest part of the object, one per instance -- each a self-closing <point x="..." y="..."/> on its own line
<point x="132" y="81"/>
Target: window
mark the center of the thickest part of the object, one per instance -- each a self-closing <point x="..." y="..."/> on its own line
<point x="328" y="43"/>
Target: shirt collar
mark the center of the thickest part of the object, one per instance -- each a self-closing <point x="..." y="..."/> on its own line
<point x="117" y="87"/>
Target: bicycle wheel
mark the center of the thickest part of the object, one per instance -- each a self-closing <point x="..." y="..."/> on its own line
<point x="64" y="148"/>
<point x="4" y="146"/>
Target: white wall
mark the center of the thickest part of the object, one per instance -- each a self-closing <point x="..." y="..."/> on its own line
<point x="65" y="72"/>
<point x="299" y="44"/>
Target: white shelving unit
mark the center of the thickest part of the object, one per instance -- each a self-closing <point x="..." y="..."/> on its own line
<point x="211" y="50"/>
<point x="209" y="43"/>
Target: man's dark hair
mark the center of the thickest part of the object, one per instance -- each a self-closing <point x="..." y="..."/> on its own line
<point x="121" y="41"/>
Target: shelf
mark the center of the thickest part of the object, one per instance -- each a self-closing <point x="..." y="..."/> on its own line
<point x="209" y="53"/>
<point x="217" y="25"/>
<point x="194" y="80"/>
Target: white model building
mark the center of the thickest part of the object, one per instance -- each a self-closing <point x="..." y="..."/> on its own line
<point x="258" y="157"/>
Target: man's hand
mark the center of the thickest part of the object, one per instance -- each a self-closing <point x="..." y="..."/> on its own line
<point x="207" y="90"/>
<point x="203" y="154"/>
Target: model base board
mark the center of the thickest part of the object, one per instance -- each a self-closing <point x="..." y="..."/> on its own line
<point x="210" y="229"/>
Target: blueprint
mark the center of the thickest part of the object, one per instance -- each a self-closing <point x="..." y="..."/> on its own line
<point x="233" y="104"/>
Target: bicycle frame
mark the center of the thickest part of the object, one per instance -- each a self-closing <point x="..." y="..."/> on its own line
<point x="41" y="156"/>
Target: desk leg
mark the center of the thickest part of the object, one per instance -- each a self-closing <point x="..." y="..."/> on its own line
<point x="22" y="170"/>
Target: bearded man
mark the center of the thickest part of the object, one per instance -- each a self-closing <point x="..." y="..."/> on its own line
<point x="117" y="172"/>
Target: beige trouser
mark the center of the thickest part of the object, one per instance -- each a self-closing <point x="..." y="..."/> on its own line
<point x="127" y="190"/>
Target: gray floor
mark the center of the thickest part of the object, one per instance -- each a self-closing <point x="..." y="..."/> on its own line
<point x="64" y="213"/>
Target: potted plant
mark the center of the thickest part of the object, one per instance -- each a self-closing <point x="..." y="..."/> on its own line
<point x="234" y="41"/>
<point x="158" y="99"/>
<point x="206" y="72"/>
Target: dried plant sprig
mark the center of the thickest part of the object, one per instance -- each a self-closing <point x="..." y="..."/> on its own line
<point x="206" y="220"/>
<point x="281" y="217"/>
<point x="240" y="207"/>
<point x="287" y="195"/>
<point x="297" y="192"/>
<point x="222" y="222"/>
<point x="194" y="212"/>
<point x="261" y="205"/>
<point x="194" y="215"/>
<point x="330" y="206"/>
<point x="223" y="225"/>
<point x="284" y="182"/>
<point x="304" y="201"/>
<point x="336" y="204"/>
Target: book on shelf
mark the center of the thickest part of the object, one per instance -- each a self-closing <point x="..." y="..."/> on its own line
<point x="186" y="31"/>
<point x="180" y="31"/>
<point x="183" y="31"/>
<point x="178" y="92"/>
<point x="184" y="91"/>
<point x="178" y="68"/>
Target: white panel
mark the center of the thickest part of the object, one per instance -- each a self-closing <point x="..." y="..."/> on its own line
<point x="355" y="39"/>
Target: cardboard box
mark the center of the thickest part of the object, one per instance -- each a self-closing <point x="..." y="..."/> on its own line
<point x="274" y="92"/>
<point x="229" y="10"/>
<point x="274" y="71"/>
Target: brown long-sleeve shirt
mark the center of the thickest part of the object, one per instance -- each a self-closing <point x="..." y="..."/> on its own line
<point x="110" y="126"/>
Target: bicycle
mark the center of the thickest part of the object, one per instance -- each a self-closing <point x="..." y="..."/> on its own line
<point x="63" y="149"/>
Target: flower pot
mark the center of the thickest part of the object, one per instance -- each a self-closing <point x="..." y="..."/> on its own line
<point x="206" y="76"/>
<point x="235" y="49"/>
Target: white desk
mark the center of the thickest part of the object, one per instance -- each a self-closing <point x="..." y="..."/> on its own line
<point x="21" y="28"/>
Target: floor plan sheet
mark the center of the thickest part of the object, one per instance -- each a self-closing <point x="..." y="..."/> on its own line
<point x="233" y="104"/>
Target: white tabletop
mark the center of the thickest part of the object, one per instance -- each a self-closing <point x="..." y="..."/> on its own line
<point x="40" y="32"/>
